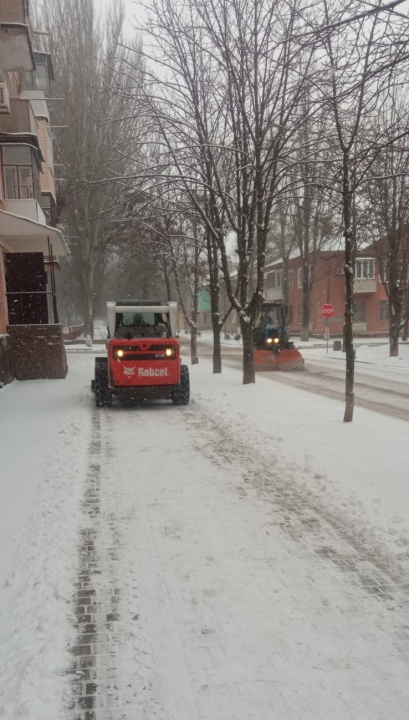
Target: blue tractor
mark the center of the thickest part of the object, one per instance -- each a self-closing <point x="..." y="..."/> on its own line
<point x="273" y="349"/>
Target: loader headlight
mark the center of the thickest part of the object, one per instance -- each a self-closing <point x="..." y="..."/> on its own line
<point x="120" y="353"/>
<point x="169" y="352"/>
<point x="276" y="340"/>
<point x="269" y="341"/>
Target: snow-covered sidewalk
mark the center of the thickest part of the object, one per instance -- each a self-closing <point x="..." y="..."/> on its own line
<point x="243" y="558"/>
<point x="45" y="428"/>
<point x="370" y="355"/>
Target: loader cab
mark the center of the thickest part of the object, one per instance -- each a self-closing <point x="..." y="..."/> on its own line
<point x="270" y="331"/>
<point x="133" y="325"/>
<point x="271" y="315"/>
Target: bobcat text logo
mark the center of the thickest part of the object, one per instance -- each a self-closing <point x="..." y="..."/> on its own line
<point x="129" y="371"/>
<point x="150" y="372"/>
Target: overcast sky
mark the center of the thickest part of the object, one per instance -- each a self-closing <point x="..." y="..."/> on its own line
<point x="131" y="7"/>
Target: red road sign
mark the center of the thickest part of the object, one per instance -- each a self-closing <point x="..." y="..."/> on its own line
<point x="327" y="311"/>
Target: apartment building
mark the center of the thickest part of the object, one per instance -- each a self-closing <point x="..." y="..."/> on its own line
<point x="30" y="243"/>
<point x="328" y="286"/>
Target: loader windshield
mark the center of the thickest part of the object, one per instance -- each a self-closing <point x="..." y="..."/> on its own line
<point x="270" y="316"/>
<point x="141" y="324"/>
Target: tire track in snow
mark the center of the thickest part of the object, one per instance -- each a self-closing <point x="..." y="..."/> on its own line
<point x="94" y="670"/>
<point x="107" y="682"/>
<point x="301" y="515"/>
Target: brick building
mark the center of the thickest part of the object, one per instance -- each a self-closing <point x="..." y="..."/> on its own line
<point x="371" y="304"/>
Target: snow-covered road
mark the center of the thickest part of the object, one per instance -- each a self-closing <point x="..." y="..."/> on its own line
<point x="207" y="566"/>
<point x="378" y="386"/>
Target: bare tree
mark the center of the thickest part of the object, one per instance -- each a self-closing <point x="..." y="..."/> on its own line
<point x="224" y="101"/>
<point x="360" y="63"/>
<point x="310" y="210"/>
<point x="282" y="241"/>
<point x="100" y="115"/>
<point x="388" y="194"/>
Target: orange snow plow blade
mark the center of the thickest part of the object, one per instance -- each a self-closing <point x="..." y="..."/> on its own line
<point x="285" y="360"/>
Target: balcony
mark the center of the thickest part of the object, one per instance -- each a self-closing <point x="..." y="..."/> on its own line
<point x="29" y="209"/>
<point x="38" y="102"/>
<point x="273" y="293"/>
<point x="20" y="119"/>
<point x="364" y="285"/>
<point x="16" y="52"/>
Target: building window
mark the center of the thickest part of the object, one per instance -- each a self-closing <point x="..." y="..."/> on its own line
<point x="383" y="311"/>
<point x="365" y="269"/>
<point x="18" y="182"/>
<point x="37" y="79"/>
<point x="290" y="317"/>
<point x="290" y="279"/>
<point x="16" y="155"/>
<point x="41" y="76"/>
<point x="25" y="179"/>
<point x="360" y="311"/>
<point x="18" y="172"/>
<point x="273" y="279"/>
<point x="11" y="182"/>
<point x="46" y="207"/>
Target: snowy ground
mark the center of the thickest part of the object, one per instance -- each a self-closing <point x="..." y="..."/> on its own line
<point x="244" y="558"/>
<point x="381" y="383"/>
<point x="44" y="432"/>
<point x="369" y="354"/>
<point x="206" y="336"/>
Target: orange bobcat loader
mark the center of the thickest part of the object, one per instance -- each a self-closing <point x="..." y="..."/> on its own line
<point x="143" y="355"/>
<point x="272" y="347"/>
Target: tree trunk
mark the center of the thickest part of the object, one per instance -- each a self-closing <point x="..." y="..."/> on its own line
<point x="249" y="373"/>
<point x="167" y="283"/>
<point x="214" y="287"/>
<point x="88" y="318"/>
<point x="305" y="326"/>
<point x="405" y="334"/>
<point x="217" y="348"/>
<point x="193" y="346"/>
<point x="349" y="302"/>
<point x="395" y="316"/>
<point x="285" y="285"/>
<point x="394" y="330"/>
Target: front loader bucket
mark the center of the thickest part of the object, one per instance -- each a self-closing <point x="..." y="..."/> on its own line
<point x="285" y="360"/>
